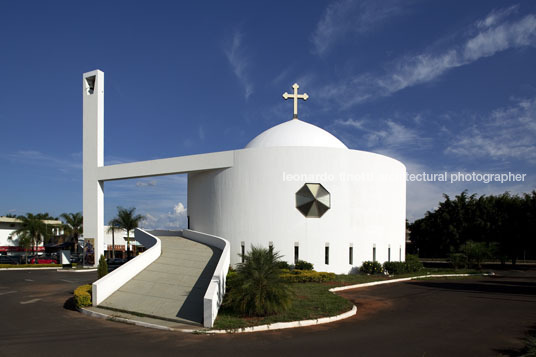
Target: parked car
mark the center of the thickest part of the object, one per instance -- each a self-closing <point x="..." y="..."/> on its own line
<point x="43" y="260"/>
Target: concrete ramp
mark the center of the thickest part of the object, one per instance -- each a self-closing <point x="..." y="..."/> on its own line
<point x="173" y="286"/>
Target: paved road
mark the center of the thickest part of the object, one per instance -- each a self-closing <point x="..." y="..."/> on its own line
<point x="470" y="317"/>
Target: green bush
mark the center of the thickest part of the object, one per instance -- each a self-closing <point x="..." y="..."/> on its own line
<point x="395" y="267"/>
<point x="370" y="267"/>
<point x="476" y="253"/>
<point x="102" y="270"/>
<point x="458" y="260"/>
<point x="283" y="265"/>
<point x="82" y="296"/>
<point x="307" y="276"/>
<point x="413" y="264"/>
<point x="303" y="265"/>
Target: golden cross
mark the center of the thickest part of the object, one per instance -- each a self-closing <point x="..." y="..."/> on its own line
<point x="296" y="96"/>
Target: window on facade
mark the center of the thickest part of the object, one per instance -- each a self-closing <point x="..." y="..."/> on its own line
<point x="242" y="251"/>
<point x="271" y="246"/>
<point x="313" y="200"/>
<point x="326" y="253"/>
<point x="296" y="254"/>
<point x="400" y="254"/>
<point x="389" y="254"/>
<point x="374" y="254"/>
<point x="351" y="255"/>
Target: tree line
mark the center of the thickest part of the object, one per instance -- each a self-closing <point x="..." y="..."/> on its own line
<point x="501" y="226"/>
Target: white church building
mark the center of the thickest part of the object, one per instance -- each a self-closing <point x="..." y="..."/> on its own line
<point x="294" y="187"/>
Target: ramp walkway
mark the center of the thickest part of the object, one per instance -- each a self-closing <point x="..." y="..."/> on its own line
<point x="171" y="288"/>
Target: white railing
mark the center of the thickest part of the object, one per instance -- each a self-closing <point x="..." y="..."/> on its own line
<point x="110" y="283"/>
<point x="216" y="289"/>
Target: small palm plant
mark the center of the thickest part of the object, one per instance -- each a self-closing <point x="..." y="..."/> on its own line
<point x="257" y="287"/>
<point x="31" y="233"/>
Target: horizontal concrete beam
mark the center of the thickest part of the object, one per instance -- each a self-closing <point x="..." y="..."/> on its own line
<point x="171" y="166"/>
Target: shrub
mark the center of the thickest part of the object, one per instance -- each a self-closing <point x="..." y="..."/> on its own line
<point x="413" y="264"/>
<point x="477" y="252"/>
<point x="258" y="289"/>
<point x="281" y="264"/>
<point x="82" y="296"/>
<point x="102" y="270"/>
<point x="370" y="267"/>
<point x="395" y="267"/>
<point x="303" y="265"/>
<point x="307" y="276"/>
<point x="458" y="260"/>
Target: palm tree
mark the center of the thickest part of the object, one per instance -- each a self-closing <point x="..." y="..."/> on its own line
<point x="113" y="226"/>
<point x="258" y="289"/>
<point x="74" y="224"/>
<point x="128" y="220"/>
<point x="31" y="232"/>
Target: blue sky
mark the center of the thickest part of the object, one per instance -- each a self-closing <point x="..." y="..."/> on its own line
<point x="441" y="86"/>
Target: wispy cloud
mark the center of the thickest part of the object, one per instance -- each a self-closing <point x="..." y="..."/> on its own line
<point x="506" y="133"/>
<point x="38" y="158"/>
<point x="351" y="16"/>
<point x="239" y="62"/>
<point x="391" y="135"/>
<point x="487" y="37"/>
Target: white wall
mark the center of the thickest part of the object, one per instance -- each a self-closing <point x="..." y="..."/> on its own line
<point x="253" y="202"/>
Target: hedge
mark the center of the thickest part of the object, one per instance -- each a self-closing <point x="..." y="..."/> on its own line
<point x="307" y="276"/>
<point x="370" y="267"/>
<point x="411" y="265"/>
<point x="303" y="265"/>
<point x="82" y="296"/>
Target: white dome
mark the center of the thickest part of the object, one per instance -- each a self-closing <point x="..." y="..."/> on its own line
<point x="295" y="133"/>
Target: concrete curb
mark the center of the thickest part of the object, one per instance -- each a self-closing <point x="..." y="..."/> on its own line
<point x="291" y="324"/>
<point x="99" y="315"/>
<point x="19" y="269"/>
<point x="77" y="270"/>
<point x="381" y="282"/>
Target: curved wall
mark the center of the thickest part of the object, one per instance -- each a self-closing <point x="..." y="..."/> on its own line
<point x="254" y="202"/>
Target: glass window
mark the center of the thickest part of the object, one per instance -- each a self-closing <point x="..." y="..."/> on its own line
<point x="296" y="254"/>
<point x="374" y="254"/>
<point x="327" y="255"/>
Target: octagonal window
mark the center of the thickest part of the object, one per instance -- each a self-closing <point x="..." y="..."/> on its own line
<point x="313" y="200"/>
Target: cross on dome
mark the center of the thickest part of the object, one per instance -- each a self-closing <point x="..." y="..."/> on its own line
<point x="295" y="96"/>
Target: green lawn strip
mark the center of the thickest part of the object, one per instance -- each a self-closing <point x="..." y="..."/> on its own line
<point x="310" y="301"/>
<point x="314" y="300"/>
<point x="14" y="266"/>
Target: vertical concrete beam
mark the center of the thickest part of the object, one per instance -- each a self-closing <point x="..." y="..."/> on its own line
<point x="93" y="157"/>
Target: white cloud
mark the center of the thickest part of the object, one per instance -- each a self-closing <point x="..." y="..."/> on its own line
<point x="239" y="62"/>
<point x="411" y="70"/>
<point x="507" y="133"/>
<point x="350" y="16"/>
<point x="175" y="219"/>
<point x="146" y="183"/>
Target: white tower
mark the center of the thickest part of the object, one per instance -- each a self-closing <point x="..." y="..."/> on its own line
<point x="93" y="158"/>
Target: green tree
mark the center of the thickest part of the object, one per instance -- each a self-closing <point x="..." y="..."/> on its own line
<point x="73" y="226"/>
<point x="113" y="226"/>
<point x="102" y="269"/>
<point x="31" y="233"/>
<point x="257" y="288"/>
<point x="128" y="220"/>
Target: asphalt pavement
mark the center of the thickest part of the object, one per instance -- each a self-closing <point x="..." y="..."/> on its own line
<point x="483" y="316"/>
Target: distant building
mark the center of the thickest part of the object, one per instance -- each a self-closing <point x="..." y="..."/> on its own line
<point x="9" y="246"/>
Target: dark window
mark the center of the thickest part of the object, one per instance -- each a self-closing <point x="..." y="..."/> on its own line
<point x="374" y="254"/>
<point x="351" y="256"/>
<point x="389" y="254"/>
<point x="327" y="255"/>
<point x="296" y="254"/>
<point x="243" y="251"/>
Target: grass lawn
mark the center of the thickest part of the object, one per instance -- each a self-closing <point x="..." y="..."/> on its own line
<point x="313" y="300"/>
<point x="30" y="265"/>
